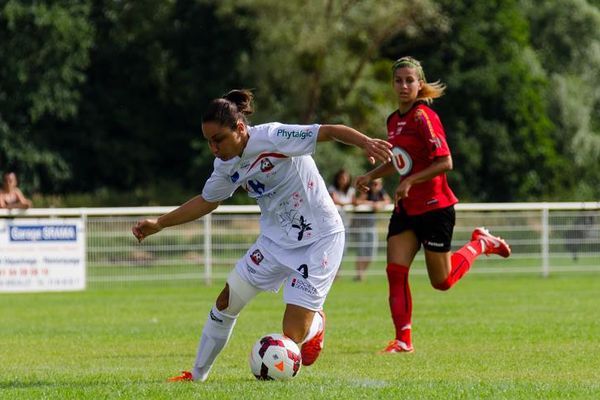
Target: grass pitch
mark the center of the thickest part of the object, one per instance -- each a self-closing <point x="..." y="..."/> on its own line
<point x="489" y="337"/>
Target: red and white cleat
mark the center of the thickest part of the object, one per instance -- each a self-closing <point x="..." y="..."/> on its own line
<point x="310" y="350"/>
<point x="492" y="244"/>
<point x="185" y="376"/>
<point x="397" y="346"/>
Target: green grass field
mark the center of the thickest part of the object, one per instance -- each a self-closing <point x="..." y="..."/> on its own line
<point x="490" y="337"/>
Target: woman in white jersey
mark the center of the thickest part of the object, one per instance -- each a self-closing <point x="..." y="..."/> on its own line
<point x="301" y="242"/>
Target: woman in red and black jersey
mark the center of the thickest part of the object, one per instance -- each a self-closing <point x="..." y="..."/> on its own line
<point x="424" y="212"/>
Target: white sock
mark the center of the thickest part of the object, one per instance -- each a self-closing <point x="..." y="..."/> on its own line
<point x="215" y="335"/>
<point x="315" y="327"/>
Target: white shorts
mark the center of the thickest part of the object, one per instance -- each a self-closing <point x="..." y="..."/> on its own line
<point x="307" y="273"/>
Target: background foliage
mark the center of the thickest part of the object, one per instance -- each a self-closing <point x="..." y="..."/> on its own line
<point x="100" y="100"/>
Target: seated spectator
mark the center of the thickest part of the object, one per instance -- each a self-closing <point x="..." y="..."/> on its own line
<point x="10" y="195"/>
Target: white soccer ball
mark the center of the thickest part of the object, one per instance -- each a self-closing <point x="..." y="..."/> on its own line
<point x="275" y="357"/>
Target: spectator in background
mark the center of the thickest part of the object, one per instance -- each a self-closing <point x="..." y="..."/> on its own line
<point x="342" y="193"/>
<point x="10" y="195"/>
<point x="364" y="225"/>
<point x="578" y="233"/>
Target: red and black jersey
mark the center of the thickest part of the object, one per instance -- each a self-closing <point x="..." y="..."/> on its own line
<point x="419" y="132"/>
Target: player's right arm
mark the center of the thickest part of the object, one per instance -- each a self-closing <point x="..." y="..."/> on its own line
<point x="191" y="210"/>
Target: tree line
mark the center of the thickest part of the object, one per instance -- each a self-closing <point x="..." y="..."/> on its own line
<point x="107" y="95"/>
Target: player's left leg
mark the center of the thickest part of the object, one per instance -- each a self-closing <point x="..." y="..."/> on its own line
<point x="220" y="322"/>
<point x="446" y="268"/>
<point x="435" y="231"/>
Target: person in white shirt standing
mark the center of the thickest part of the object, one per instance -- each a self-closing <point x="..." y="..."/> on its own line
<point x="301" y="239"/>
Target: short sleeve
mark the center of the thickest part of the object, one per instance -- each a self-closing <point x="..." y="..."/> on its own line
<point x="219" y="186"/>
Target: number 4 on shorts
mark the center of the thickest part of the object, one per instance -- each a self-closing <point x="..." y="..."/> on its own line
<point x="303" y="269"/>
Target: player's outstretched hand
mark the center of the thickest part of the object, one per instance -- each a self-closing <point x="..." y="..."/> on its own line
<point x="378" y="150"/>
<point x="145" y="228"/>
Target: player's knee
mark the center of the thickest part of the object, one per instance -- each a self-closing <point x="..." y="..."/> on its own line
<point x="443" y="286"/>
<point x="236" y="294"/>
<point x="223" y="299"/>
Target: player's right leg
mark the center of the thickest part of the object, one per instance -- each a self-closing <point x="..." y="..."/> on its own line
<point x="312" y="270"/>
<point x="219" y="325"/>
<point x="401" y="250"/>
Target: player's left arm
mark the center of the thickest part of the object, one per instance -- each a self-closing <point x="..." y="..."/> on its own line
<point x="376" y="149"/>
<point x="439" y="166"/>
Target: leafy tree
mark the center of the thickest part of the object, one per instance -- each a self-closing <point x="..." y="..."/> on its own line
<point x="154" y="66"/>
<point x="320" y="61"/>
<point x="44" y="48"/>
<point x="494" y="112"/>
<point x="566" y="36"/>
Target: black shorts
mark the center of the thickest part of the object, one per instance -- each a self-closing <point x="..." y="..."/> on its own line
<point x="434" y="228"/>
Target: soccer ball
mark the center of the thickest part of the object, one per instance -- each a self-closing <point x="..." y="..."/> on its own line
<point x="275" y="357"/>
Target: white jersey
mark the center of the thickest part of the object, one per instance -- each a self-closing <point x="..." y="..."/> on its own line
<point x="277" y="169"/>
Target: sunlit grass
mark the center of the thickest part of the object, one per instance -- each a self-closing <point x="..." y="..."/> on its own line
<point x="489" y="337"/>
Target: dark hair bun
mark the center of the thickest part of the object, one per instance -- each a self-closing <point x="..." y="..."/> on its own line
<point x="243" y="100"/>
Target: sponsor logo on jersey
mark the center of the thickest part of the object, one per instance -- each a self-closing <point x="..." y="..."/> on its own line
<point x="303" y="285"/>
<point x="399" y="127"/>
<point x="402" y="161"/>
<point x="257" y="257"/>
<point x="431" y="202"/>
<point x="266" y="165"/>
<point x="235" y="177"/>
<point x="301" y="134"/>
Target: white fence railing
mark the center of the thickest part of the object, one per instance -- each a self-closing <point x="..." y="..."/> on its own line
<point x="545" y="237"/>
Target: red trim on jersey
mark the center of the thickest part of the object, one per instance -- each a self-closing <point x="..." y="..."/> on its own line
<point x="265" y="155"/>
